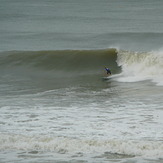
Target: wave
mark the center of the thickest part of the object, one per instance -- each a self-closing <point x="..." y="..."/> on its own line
<point x="64" y="145"/>
<point x="131" y="66"/>
<point x="57" y="60"/>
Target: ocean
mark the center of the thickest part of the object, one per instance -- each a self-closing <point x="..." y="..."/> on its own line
<point x="55" y="106"/>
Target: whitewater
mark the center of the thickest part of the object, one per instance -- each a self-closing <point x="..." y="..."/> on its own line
<point x="55" y="106"/>
<point x="51" y="105"/>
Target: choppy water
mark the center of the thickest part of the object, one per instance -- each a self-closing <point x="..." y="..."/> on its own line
<point x="55" y="105"/>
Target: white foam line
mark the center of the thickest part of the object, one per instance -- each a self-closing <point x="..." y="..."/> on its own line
<point x="147" y="149"/>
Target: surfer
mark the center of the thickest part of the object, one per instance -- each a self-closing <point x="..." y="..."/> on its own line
<point x="108" y="71"/>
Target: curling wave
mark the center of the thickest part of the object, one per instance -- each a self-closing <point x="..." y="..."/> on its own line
<point x="132" y="66"/>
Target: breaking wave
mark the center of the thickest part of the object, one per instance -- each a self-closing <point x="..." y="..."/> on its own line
<point x="141" y="66"/>
<point x="131" y="66"/>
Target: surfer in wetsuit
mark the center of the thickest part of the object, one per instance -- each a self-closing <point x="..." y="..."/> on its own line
<point x="108" y="71"/>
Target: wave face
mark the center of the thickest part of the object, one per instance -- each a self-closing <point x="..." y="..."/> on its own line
<point x="141" y="66"/>
<point x="56" y="68"/>
<point x="61" y="60"/>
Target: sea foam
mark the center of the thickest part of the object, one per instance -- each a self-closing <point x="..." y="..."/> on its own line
<point x="149" y="149"/>
<point x="138" y="66"/>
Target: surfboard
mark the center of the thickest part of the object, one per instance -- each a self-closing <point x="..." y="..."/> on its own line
<point x="106" y="78"/>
